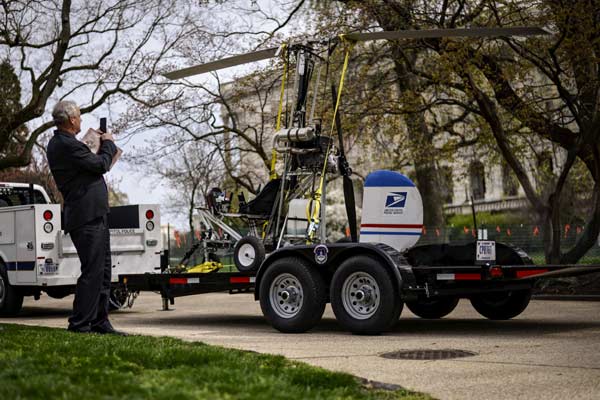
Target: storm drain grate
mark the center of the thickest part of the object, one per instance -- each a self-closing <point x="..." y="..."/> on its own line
<point x="428" y="354"/>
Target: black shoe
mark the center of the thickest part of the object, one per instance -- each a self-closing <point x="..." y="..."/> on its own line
<point x="108" y="331"/>
<point x="79" y="330"/>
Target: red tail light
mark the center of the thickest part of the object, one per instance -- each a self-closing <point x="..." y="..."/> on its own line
<point x="149" y="214"/>
<point x="496" y="272"/>
<point x="47" y="215"/>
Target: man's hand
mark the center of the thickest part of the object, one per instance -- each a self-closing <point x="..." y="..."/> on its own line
<point x="107" y="136"/>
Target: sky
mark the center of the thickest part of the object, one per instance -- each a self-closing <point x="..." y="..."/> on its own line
<point x="139" y="187"/>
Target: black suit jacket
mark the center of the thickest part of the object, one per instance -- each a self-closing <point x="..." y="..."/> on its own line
<point x="78" y="175"/>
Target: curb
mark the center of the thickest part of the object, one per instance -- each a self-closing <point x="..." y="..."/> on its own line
<point x="567" y="297"/>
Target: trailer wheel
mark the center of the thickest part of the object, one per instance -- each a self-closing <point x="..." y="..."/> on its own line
<point x="363" y="298"/>
<point x="433" y="308"/>
<point x="248" y="254"/>
<point x="501" y="305"/>
<point x="11" y="300"/>
<point x="292" y="295"/>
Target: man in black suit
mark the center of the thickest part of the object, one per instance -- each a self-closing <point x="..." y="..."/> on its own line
<point x="78" y="175"/>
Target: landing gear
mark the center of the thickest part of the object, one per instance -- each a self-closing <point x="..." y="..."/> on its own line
<point x="363" y="297"/>
<point x="293" y="295"/>
<point x="248" y="254"/>
<point x="501" y="305"/>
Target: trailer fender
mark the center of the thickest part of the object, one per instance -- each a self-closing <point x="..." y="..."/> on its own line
<point x="390" y="258"/>
<point x="334" y="254"/>
<point x="277" y="255"/>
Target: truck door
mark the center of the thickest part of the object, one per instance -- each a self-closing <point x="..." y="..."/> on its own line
<point x="7" y="239"/>
<point x="26" y="251"/>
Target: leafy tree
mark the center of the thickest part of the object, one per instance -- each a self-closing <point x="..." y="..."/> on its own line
<point x="88" y="51"/>
<point x="518" y="97"/>
<point x="546" y="89"/>
<point x="116" y="197"/>
<point x="10" y="103"/>
<point x="190" y="170"/>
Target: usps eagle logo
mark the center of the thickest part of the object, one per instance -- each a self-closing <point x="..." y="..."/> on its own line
<point x="395" y="200"/>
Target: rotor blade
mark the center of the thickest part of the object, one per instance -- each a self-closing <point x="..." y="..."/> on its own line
<point x="350" y="207"/>
<point x="223" y="63"/>
<point x="441" y="33"/>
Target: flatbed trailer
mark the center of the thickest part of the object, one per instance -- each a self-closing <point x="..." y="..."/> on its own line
<point x="368" y="284"/>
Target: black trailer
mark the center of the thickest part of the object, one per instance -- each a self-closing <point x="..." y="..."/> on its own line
<point x="368" y="284"/>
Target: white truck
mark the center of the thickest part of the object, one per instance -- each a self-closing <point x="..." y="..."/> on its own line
<point x="37" y="256"/>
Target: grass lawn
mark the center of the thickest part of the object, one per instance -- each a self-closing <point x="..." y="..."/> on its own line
<point x="45" y="363"/>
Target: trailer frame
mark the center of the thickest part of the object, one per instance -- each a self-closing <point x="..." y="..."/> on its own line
<point x="412" y="283"/>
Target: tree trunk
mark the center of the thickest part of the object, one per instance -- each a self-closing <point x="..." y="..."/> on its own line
<point x="428" y="178"/>
<point x="397" y="17"/>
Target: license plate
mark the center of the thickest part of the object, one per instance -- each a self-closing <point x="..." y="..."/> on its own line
<point x="50" y="269"/>
<point x="486" y="250"/>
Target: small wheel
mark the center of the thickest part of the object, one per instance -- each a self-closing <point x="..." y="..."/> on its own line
<point x="433" y="308"/>
<point x="11" y="300"/>
<point x="501" y="305"/>
<point x="363" y="297"/>
<point x="292" y="295"/>
<point x="248" y="254"/>
<point x="117" y="299"/>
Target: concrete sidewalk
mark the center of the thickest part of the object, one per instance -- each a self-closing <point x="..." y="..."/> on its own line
<point x="552" y="351"/>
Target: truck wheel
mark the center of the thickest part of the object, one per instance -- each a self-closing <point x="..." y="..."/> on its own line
<point x="501" y="305"/>
<point x="248" y="254"/>
<point x="363" y="297"/>
<point x="117" y="299"/>
<point x="433" y="308"/>
<point x="11" y="300"/>
<point x="292" y="295"/>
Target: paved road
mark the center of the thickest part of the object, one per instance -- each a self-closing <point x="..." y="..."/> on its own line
<point x="552" y="351"/>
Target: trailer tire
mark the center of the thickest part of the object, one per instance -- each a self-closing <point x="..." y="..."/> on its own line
<point x="292" y="295"/>
<point x="501" y="305"/>
<point x="248" y="253"/>
<point x="11" y="301"/>
<point x="433" y="308"/>
<point x="363" y="297"/>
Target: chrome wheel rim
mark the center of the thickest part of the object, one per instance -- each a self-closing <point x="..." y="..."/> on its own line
<point x="246" y="254"/>
<point x="286" y="295"/>
<point x="361" y="295"/>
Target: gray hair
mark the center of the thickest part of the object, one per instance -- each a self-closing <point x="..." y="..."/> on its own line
<point x="63" y="110"/>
